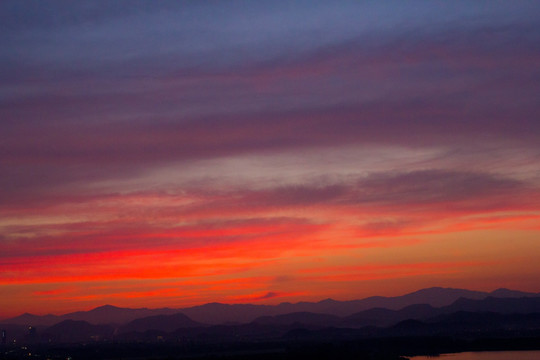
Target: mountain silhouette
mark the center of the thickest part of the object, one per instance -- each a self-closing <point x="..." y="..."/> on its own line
<point x="506" y="293"/>
<point x="381" y="311"/>
<point x="216" y="313"/>
<point x="106" y="314"/>
<point x="301" y="318"/>
<point x="465" y="322"/>
<point x="109" y="314"/>
<point x="490" y="316"/>
<point x="35" y="320"/>
<point x="70" y="331"/>
<point x="499" y="305"/>
<point x="386" y="317"/>
<point x="165" y="323"/>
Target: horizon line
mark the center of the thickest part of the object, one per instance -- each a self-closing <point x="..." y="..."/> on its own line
<point x="255" y="304"/>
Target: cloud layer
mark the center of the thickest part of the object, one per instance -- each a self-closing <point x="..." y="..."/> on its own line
<point x="184" y="152"/>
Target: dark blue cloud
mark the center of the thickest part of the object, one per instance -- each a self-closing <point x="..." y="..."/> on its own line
<point x="92" y="90"/>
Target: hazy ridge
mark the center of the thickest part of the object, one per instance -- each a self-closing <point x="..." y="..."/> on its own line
<point x="219" y="313"/>
<point x="425" y="312"/>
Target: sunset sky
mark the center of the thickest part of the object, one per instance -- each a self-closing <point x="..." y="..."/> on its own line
<point x="175" y="153"/>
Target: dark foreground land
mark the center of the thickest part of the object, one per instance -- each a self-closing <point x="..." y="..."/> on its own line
<point x="488" y="324"/>
<point x="370" y="349"/>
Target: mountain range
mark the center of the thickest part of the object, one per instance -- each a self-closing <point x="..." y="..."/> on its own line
<point x="421" y="313"/>
<point x="218" y="313"/>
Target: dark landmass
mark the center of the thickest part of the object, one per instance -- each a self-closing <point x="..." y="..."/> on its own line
<point x="483" y="322"/>
<point x="217" y="313"/>
<point x="106" y="314"/>
<point x="393" y="348"/>
<point x="165" y="323"/>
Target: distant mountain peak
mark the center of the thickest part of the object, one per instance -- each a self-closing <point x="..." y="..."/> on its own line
<point x="219" y="313"/>
<point x="106" y="307"/>
<point x="327" y="301"/>
<point x="437" y="289"/>
<point x="504" y="292"/>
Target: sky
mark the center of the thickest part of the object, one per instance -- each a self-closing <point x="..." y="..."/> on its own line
<point x="175" y="153"/>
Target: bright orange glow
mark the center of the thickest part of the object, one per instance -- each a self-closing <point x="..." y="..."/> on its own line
<point x="269" y="166"/>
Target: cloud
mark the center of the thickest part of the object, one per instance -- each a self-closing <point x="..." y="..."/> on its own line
<point x="434" y="189"/>
<point x="206" y="139"/>
<point x="54" y="292"/>
<point x="382" y="272"/>
<point x="434" y="186"/>
<point x="133" y="233"/>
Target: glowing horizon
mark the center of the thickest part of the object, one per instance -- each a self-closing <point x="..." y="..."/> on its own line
<point x="185" y="153"/>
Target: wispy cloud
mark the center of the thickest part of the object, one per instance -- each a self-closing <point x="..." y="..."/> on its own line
<point x="208" y="141"/>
